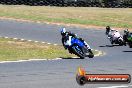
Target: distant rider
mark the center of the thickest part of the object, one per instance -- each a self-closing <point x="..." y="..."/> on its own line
<point x="107" y="30"/>
<point x="66" y="39"/>
<point x="127" y="37"/>
<point x="112" y="34"/>
<point x="126" y="33"/>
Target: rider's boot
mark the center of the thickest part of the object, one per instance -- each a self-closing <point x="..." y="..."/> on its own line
<point x="124" y="43"/>
<point x="90" y="51"/>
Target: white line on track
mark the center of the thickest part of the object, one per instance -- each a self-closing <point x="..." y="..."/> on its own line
<point x="55" y="44"/>
<point x="6" y="37"/>
<point x="15" y="38"/>
<point x="30" y="60"/>
<point x="36" y="41"/>
<point x="22" y="39"/>
<point x="43" y="42"/>
<point x="122" y="86"/>
<point x="100" y="53"/>
<point x="49" y="43"/>
<point x="29" y="40"/>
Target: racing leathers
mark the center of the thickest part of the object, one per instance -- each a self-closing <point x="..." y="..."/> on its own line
<point x="66" y="40"/>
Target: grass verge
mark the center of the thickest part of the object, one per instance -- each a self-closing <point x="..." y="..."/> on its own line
<point x="12" y="50"/>
<point x="115" y="17"/>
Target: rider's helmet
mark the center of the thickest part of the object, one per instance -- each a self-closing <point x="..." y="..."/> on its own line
<point x="108" y="27"/>
<point x="126" y="31"/>
<point x="107" y="30"/>
<point x="63" y="31"/>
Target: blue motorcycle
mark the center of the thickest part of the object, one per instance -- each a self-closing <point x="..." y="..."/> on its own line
<point x="78" y="48"/>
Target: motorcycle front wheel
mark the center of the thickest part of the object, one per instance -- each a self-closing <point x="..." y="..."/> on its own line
<point x="79" y="51"/>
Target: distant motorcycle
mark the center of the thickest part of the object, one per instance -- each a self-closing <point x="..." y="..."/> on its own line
<point x="78" y="48"/>
<point x="119" y="40"/>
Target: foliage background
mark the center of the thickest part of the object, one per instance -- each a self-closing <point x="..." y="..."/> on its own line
<point x="84" y="3"/>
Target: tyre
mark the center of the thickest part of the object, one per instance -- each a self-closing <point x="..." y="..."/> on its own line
<point x="121" y="43"/>
<point x="91" y="55"/>
<point x="130" y="45"/>
<point x="78" y="51"/>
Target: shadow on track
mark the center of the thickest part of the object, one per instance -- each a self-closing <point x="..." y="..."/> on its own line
<point x="127" y="51"/>
<point x="109" y="45"/>
<point x="70" y="58"/>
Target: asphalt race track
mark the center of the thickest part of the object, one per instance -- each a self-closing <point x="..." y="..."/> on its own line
<point x="61" y="73"/>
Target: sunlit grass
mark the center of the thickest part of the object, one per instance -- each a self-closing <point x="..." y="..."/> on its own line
<point x="11" y="50"/>
<point x="23" y="50"/>
<point x="116" y="17"/>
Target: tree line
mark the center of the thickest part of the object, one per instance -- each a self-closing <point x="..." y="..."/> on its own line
<point x="83" y="3"/>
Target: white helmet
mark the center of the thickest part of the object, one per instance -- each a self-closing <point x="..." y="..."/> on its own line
<point x="63" y="31"/>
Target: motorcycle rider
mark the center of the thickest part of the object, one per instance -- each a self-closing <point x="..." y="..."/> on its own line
<point x="126" y="33"/>
<point x="107" y="30"/>
<point x="66" y="39"/>
<point x="113" y="34"/>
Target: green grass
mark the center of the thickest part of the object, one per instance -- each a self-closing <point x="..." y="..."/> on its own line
<point x="23" y="50"/>
<point x="12" y="50"/>
<point x="115" y="17"/>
